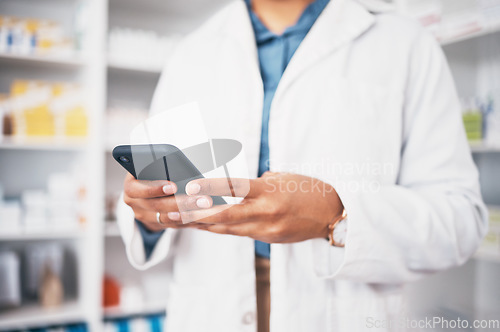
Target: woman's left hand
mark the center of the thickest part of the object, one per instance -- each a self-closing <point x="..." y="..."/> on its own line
<point x="277" y="207"/>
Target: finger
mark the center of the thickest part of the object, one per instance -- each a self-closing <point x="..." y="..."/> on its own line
<point x="190" y="225"/>
<point x="235" y="187"/>
<point x="148" y="218"/>
<point x="174" y="203"/>
<point x="187" y="203"/>
<point x="160" y="204"/>
<point x="164" y="221"/>
<point x="148" y="189"/>
<point x="220" y="214"/>
<point x="177" y="203"/>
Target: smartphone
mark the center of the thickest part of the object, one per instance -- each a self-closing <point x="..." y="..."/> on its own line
<point x="159" y="162"/>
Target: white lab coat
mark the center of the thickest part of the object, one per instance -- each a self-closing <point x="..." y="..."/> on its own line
<point x="366" y="104"/>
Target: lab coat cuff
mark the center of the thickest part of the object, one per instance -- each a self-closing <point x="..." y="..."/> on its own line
<point x="134" y="245"/>
<point x="330" y="261"/>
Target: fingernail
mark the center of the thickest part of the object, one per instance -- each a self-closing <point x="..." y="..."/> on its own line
<point x="193" y="188"/>
<point x="168" y="189"/>
<point x="174" y="216"/>
<point x="203" y="203"/>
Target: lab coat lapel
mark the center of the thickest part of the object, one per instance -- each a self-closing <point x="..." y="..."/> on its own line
<point x="238" y="28"/>
<point x="341" y="22"/>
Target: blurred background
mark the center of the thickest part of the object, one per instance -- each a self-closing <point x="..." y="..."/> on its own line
<point x="77" y="75"/>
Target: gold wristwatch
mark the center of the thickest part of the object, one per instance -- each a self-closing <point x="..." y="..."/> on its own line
<point x="337" y="231"/>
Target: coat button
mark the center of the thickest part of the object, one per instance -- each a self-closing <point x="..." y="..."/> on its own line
<point x="248" y="318"/>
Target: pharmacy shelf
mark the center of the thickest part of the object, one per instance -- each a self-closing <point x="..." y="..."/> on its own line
<point x="50" y="234"/>
<point x="49" y="144"/>
<point x="144" y="310"/>
<point x="482" y="147"/>
<point x="32" y="316"/>
<point x="140" y="68"/>
<point x="483" y="32"/>
<point x="88" y="70"/>
<point x="58" y="61"/>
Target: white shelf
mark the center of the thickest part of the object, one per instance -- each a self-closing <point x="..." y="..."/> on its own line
<point x="62" y="61"/>
<point x="32" y="316"/>
<point x="50" y="234"/>
<point x="146" y="309"/>
<point x="482" y="147"/>
<point x="485" y="31"/>
<point x="49" y="144"/>
<point x="141" y="68"/>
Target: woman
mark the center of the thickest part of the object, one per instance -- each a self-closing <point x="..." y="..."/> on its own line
<point x="353" y="105"/>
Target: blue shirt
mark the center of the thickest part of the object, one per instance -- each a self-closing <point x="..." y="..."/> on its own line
<point x="275" y="52"/>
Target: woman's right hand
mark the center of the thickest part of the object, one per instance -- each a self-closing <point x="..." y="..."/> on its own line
<point x="147" y="198"/>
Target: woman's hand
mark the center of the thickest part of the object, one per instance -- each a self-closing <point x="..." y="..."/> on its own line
<point x="147" y="198"/>
<point x="278" y="208"/>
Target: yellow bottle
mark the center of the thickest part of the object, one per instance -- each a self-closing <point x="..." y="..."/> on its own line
<point x="38" y="118"/>
<point x="76" y="122"/>
<point x="39" y="121"/>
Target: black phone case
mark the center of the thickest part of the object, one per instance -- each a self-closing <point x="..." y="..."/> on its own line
<point x="159" y="162"/>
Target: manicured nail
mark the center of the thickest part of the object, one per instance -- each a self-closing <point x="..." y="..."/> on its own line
<point x="193" y="188"/>
<point x="203" y="203"/>
<point x="168" y="189"/>
<point x="174" y="216"/>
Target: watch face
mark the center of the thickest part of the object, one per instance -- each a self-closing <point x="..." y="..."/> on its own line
<point x="340" y="232"/>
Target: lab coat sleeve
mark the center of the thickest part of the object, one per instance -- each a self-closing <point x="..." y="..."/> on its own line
<point x="433" y="218"/>
<point x="131" y="235"/>
<point x="134" y="245"/>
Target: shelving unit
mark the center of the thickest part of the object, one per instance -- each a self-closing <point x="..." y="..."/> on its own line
<point x="154" y="70"/>
<point x="37" y="158"/>
<point x="149" y="309"/>
<point x="43" y="144"/>
<point x="51" y="234"/>
<point x="45" y="60"/>
<point x="32" y="316"/>
<point x="99" y="248"/>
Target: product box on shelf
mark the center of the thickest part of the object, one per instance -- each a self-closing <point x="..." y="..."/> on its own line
<point x="30" y="35"/>
<point x="46" y="109"/>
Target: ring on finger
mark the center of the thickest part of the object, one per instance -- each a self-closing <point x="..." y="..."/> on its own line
<point x="158" y="219"/>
